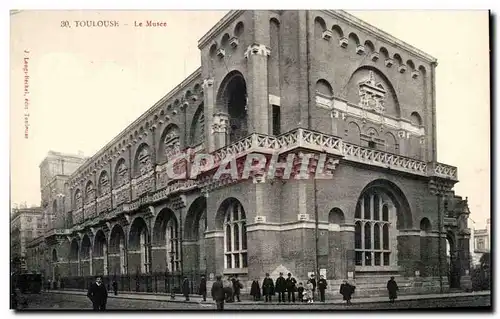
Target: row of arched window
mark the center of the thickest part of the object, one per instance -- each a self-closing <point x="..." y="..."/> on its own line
<point x="321" y="28"/>
<point x="143" y="162"/>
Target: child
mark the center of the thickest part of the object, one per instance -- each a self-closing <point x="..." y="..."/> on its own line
<point x="300" y="290"/>
<point x="308" y="295"/>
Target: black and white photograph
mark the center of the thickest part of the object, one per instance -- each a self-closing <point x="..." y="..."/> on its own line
<point x="249" y="160"/>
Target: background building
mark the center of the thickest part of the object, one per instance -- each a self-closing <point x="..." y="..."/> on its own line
<point x="25" y="225"/>
<point x="319" y="82"/>
<point x="481" y="242"/>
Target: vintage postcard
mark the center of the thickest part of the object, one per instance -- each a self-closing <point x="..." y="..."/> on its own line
<point x="249" y="160"/>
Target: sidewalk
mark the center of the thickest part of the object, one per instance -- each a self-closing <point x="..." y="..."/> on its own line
<point x="336" y="301"/>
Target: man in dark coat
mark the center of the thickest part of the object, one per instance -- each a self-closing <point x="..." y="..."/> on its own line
<point x="281" y="287"/>
<point x="98" y="294"/>
<point x="202" y="290"/>
<point x="255" y="290"/>
<point x="346" y="290"/>
<point x="393" y="288"/>
<point x="290" y="287"/>
<point x="322" y="287"/>
<point x="185" y="288"/>
<point x="115" y="287"/>
<point x="218" y="293"/>
<point x="236" y="288"/>
<point x="268" y="288"/>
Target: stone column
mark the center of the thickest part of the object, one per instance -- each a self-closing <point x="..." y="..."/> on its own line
<point x="220" y="123"/>
<point x="257" y="90"/>
<point x="209" y="106"/>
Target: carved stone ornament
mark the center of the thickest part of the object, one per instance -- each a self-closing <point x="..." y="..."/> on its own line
<point x="257" y="49"/>
<point x="144" y="161"/>
<point x="121" y="176"/>
<point x="89" y="191"/>
<point x="104" y="184"/>
<point x="172" y="143"/>
<point x="220" y="123"/>
<point x="78" y="199"/>
<point x="372" y="94"/>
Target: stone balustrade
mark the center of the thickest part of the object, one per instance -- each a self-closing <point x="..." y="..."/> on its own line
<point x="300" y="138"/>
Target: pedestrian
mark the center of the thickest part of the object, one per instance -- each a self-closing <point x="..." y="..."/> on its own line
<point x="312" y="280"/>
<point x="392" y="288"/>
<point x="218" y="293"/>
<point x="346" y="290"/>
<point x="115" y="287"/>
<point x="268" y="288"/>
<point x="236" y="288"/>
<point x="281" y="287"/>
<point x="98" y="294"/>
<point x="322" y="287"/>
<point x="255" y="290"/>
<point x="185" y="288"/>
<point x="228" y="289"/>
<point x="202" y="290"/>
<point x="290" y="287"/>
<point x="300" y="291"/>
<point x="308" y="292"/>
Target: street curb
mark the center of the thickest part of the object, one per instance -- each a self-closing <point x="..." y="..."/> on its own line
<point x="336" y="302"/>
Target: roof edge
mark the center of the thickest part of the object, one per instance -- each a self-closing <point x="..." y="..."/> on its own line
<point x="382" y="35"/>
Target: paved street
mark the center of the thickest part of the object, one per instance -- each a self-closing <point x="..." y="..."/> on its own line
<point x="55" y="301"/>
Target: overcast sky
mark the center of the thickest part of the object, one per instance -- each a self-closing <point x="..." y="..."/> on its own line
<point x="88" y="84"/>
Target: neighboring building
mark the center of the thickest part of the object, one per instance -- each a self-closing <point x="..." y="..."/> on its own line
<point x="25" y="225"/>
<point x="276" y="82"/>
<point x="481" y="242"/>
<point x="55" y="170"/>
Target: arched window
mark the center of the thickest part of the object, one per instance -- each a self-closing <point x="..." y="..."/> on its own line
<point x="375" y="217"/>
<point x="173" y="248"/>
<point x="235" y="237"/>
<point x="198" y="127"/>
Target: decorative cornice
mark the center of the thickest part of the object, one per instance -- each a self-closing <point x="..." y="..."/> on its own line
<point x="379" y="34"/>
<point x="218" y="27"/>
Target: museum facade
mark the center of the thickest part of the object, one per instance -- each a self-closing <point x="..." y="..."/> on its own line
<point x="273" y="83"/>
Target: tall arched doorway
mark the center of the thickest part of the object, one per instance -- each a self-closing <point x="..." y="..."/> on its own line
<point x="99" y="254"/>
<point x="86" y="256"/>
<point x="166" y="242"/>
<point x="196" y="225"/>
<point x="232" y="100"/>
<point x="74" y="258"/>
<point x="117" y="256"/>
<point x="138" y="247"/>
<point x="452" y="262"/>
<point x="337" y="253"/>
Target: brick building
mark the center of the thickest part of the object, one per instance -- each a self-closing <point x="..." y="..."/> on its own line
<point x="277" y="82"/>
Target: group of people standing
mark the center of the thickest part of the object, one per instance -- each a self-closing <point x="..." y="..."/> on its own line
<point x="286" y="289"/>
<point x="229" y="290"/>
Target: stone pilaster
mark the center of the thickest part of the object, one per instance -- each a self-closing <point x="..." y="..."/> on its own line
<point x="258" y="95"/>
<point x="214" y="250"/>
<point x="209" y="104"/>
<point x="409" y="251"/>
